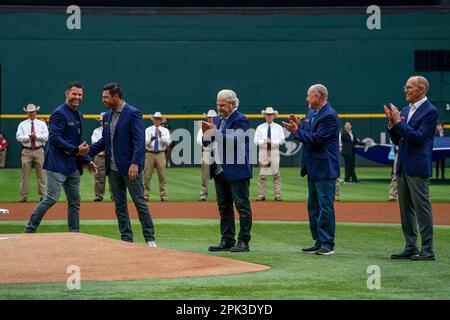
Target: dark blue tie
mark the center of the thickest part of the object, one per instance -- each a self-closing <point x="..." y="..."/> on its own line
<point x="269" y="136"/>
<point x="313" y="117"/>
<point x="157" y="141"/>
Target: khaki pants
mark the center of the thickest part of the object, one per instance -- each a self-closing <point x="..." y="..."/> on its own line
<point x="2" y="158"/>
<point x="158" y="161"/>
<point x="205" y="179"/>
<point x="100" y="177"/>
<point x="30" y="158"/>
<point x="269" y="164"/>
<point x="393" y="189"/>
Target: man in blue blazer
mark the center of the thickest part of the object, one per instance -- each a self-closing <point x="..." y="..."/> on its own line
<point x="124" y="144"/>
<point x="232" y="175"/>
<point x="412" y="130"/>
<point x="319" y="132"/>
<point x="64" y="160"/>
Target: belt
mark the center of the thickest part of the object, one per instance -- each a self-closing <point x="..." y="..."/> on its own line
<point x="31" y="148"/>
<point x="155" y="152"/>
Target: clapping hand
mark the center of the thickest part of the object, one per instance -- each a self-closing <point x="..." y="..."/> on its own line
<point x="33" y="136"/>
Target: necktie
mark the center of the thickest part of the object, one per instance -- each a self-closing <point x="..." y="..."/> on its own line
<point x="269" y="136"/>
<point x="157" y="140"/>
<point x="411" y="111"/>
<point x="33" y="142"/>
<point x="313" y="117"/>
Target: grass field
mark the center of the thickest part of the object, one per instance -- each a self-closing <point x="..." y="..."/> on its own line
<point x="293" y="275"/>
<point x="184" y="185"/>
<point x="278" y="244"/>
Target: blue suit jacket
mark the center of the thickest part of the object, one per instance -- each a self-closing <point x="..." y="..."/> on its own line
<point x="415" y="140"/>
<point x="63" y="139"/>
<point x="239" y="167"/>
<point x="320" y="159"/>
<point x="129" y="140"/>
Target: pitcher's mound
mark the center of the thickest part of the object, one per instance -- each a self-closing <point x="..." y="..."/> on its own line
<point x="46" y="257"/>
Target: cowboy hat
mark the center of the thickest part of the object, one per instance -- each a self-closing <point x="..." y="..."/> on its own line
<point x="269" y="110"/>
<point x="211" y="114"/>
<point x="157" y="115"/>
<point x="31" y="108"/>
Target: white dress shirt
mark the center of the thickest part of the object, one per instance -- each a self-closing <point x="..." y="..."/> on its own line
<point x="414" y="106"/>
<point x="24" y="131"/>
<point x="96" y="136"/>
<point x="164" y="140"/>
<point x="276" y="133"/>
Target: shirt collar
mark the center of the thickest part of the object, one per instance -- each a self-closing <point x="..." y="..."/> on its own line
<point x="121" y="107"/>
<point x="418" y="103"/>
<point x="226" y="118"/>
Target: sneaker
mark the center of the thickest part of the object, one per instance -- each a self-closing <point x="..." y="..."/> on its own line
<point x="324" y="251"/>
<point x="151" y="244"/>
<point x="312" y="249"/>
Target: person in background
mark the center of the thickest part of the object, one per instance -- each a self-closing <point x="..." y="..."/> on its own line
<point x="393" y="189"/>
<point x="157" y="138"/>
<point x="206" y="157"/>
<point x="349" y="140"/>
<point x="268" y="137"/>
<point x="32" y="133"/>
<point x="168" y="152"/>
<point x="440" y="164"/>
<point x="3" y="149"/>
<point x="99" y="160"/>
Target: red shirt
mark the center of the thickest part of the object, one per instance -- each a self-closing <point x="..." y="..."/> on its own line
<point x="3" y="144"/>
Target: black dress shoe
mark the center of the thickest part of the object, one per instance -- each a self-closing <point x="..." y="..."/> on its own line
<point x="240" y="247"/>
<point x="98" y="199"/>
<point x="423" y="256"/>
<point x="23" y="200"/>
<point x="404" y="255"/>
<point x="222" y="246"/>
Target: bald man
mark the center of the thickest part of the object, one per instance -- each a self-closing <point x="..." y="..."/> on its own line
<point x="412" y="130"/>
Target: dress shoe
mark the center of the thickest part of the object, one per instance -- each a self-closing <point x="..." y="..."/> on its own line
<point x="325" y="251"/>
<point x="98" y="199"/>
<point x="423" y="256"/>
<point x="392" y="199"/>
<point x="241" y="246"/>
<point x="164" y="200"/>
<point x="404" y="255"/>
<point x="202" y="199"/>
<point x="222" y="246"/>
<point x="145" y="199"/>
<point x="261" y="199"/>
<point x="278" y="199"/>
<point x="312" y="249"/>
<point x="23" y="200"/>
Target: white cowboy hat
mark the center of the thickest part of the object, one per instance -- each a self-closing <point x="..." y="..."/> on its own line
<point x="100" y="118"/>
<point x="31" y="108"/>
<point x="269" y="110"/>
<point x="211" y="114"/>
<point x="157" y="115"/>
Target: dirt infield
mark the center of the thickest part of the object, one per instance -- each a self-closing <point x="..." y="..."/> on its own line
<point x="371" y="212"/>
<point x="25" y="261"/>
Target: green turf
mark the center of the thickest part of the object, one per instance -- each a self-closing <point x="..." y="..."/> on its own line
<point x="293" y="275"/>
<point x="184" y="185"/>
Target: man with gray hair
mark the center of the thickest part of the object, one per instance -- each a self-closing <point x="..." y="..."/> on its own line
<point x="412" y="130"/>
<point x="319" y="133"/>
<point x="232" y="175"/>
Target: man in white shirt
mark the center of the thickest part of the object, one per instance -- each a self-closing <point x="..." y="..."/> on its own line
<point x="32" y="134"/>
<point x="269" y="136"/>
<point x="206" y="157"/>
<point x="99" y="160"/>
<point x="157" y="139"/>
